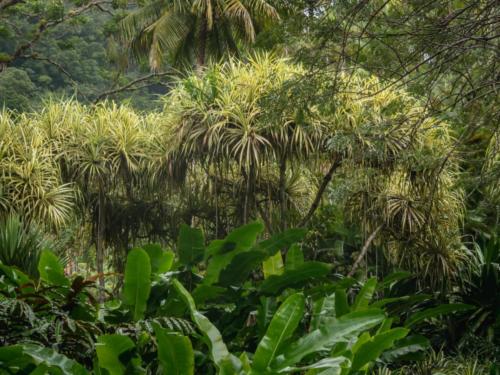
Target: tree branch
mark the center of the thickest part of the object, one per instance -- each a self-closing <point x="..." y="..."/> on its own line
<point x="129" y="86"/>
<point x="326" y="180"/>
<point x="364" y="250"/>
<point x="4" y="4"/>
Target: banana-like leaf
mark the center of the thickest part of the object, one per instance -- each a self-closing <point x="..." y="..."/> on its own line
<point x="341" y="305"/>
<point x="406" y="346"/>
<point x="161" y="260"/>
<point x="365" y="295"/>
<point x="436" y="311"/>
<point x="282" y="326"/>
<point x="237" y="242"/>
<point x="273" y="265"/>
<point x="137" y="283"/>
<point x="297" y="277"/>
<point x="50" y="269"/>
<point x="323" y="309"/>
<point x="294" y="257"/>
<point x="245" y="262"/>
<point x="218" y="350"/>
<point x="190" y="245"/>
<point x="334" y="365"/>
<point x="109" y="348"/>
<point x="175" y="352"/>
<point x="373" y="348"/>
<point x="21" y="356"/>
<point x="343" y="329"/>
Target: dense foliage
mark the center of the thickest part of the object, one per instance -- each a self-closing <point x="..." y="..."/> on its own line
<point x="249" y="187"/>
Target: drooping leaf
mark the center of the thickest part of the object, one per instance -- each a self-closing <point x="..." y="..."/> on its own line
<point x="50" y="269"/>
<point x="281" y="241"/>
<point x="436" y="311"/>
<point x="297" y="277"/>
<point x="365" y="295"/>
<point x="175" y="352"/>
<point x="190" y="245"/>
<point x="137" y="282"/>
<point x="282" y="326"/>
<point x="406" y="346"/>
<point x="294" y="257"/>
<point x="372" y="349"/>
<point x="218" y="350"/>
<point x="241" y="266"/>
<point x="334" y="366"/>
<point x="18" y="356"/>
<point x="109" y="348"/>
<point x="161" y="260"/>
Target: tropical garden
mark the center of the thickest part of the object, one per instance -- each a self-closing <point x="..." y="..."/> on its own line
<point x="249" y="187"/>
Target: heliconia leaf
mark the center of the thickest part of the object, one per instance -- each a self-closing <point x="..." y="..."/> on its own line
<point x="365" y="295"/>
<point x="373" y="348"/>
<point x="50" y="269"/>
<point x="218" y="350"/>
<point x="273" y="265"/>
<point x="294" y="257"/>
<point x="323" y="309"/>
<point x="297" y="277"/>
<point x="436" y="311"/>
<point x="334" y="365"/>
<point x="242" y="264"/>
<point x="137" y="282"/>
<point x="343" y="329"/>
<point x="406" y="346"/>
<point x="190" y="245"/>
<point x="282" y="326"/>
<point x="341" y="304"/>
<point x="237" y="242"/>
<point x="109" y="348"/>
<point x="161" y="260"/>
<point x="175" y="352"/>
<point x="393" y="278"/>
<point x="13" y="357"/>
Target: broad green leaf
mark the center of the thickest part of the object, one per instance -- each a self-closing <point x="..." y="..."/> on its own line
<point x="241" y="266"/>
<point x="109" y="348"/>
<point x="365" y="295"/>
<point x="137" y="283"/>
<point x="245" y="262"/>
<point x="372" y="349"/>
<point x="218" y="350"/>
<point x="393" y="278"/>
<point x="341" y="304"/>
<point x="436" y="311"/>
<point x="297" y="277"/>
<point x="405" y="346"/>
<point x="334" y="365"/>
<point x="46" y="359"/>
<point x="322" y="308"/>
<point x="175" y="352"/>
<point x="408" y="299"/>
<point x="238" y="241"/>
<point x="294" y="257"/>
<point x="281" y="241"/>
<point x="190" y="245"/>
<point x="343" y="329"/>
<point x="273" y="265"/>
<point x="161" y="260"/>
<point x="50" y="269"/>
<point x="282" y="326"/>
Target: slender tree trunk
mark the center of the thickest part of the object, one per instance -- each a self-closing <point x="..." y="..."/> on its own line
<point x="326" y="180"/>
<point x="100" y="243"/>
<point x="282" y="192"/>
<point x="202" y="49"/>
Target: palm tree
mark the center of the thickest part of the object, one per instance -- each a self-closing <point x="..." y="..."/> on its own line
<point x="192" y="30"/>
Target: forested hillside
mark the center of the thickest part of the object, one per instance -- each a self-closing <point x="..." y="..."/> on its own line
<point x="249" y="187"/>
